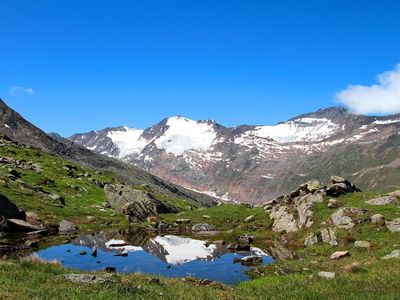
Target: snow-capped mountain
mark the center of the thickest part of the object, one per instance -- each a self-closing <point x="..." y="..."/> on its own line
<point x="254" y="163"/>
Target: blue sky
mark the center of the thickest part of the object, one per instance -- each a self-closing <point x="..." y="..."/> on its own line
<point x="93" y="64"/>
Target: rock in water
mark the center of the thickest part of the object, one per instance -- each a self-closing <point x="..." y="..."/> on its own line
<point x="251" y="260"/>
<point x="382" y="200"/>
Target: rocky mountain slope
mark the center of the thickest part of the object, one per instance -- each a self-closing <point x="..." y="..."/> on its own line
<point x="16" y="128"/>
<point x="256" y="163"/>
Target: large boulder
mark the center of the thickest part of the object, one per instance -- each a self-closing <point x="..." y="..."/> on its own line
<point x="393" y="226"/>
<point x="329" y="236"/>
<point x="341" y="186"/>
<point x="66" y="227"/>
<point x="17" y="225"/>
<point x="136" y="205"/>
<point x="9" y="210"/>
<point x="347" y="217"/>
<point x="284" y="221"/>
<point x="393" y="255"/>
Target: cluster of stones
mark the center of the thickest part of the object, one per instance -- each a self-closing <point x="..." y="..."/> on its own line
<point x="294" y="211"/>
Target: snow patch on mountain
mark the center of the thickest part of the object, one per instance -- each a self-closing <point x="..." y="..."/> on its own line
<point x="299" y="130"/>
<point x="184" y="134"/>
<point x="386" y="122"/>
<point x="128" y="140"/>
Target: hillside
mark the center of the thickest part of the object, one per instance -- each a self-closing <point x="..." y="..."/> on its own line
<point x="17" y="129"/>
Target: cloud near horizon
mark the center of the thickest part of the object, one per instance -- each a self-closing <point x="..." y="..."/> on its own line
<point x="382" y="98"/>
<point x="20" y="89"/>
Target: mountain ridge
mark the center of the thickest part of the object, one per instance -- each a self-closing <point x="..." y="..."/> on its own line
<point x="250" y="163"/>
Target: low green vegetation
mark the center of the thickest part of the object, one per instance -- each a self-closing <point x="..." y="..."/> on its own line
<point x="362" y="275"/>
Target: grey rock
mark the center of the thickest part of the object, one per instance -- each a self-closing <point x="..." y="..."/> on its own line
<point x="249" y="219"/>
<point x="66" y="227"/>
<point x="57" y="198"/>
<point x="245" y="239"/>
<point x="326" y="275"/>
<point x="346" y="217"/>
<point x="33" y="219"/>
<point x="86" y="278"/>
<point x="311" y="240"/>
<point x="395" y="193"/>
<point x="393" y="255"/>
<point x="329" y="236"/>
<point x="203" y="228"/>
<point x="362" y="244"/>
<point x="21" y="226"/>
<point x="279" y="251"/>
<point x="378" y="219"/>
<point x="393" y="226"/>
<point x="91" y="219"/>
<point x="340" y="254"/>
<point x="382" y="200"/>
<point x="283" y="220"/>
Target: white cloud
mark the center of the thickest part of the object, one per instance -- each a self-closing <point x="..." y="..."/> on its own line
<point x="20" y="89"/>
<point x="382" y="98"/>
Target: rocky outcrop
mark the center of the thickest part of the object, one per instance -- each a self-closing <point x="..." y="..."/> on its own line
<point x="294" y="211"/>
<point x="136" y="205"/>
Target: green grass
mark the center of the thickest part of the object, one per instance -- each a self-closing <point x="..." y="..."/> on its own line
<point x="363" y="275"/>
